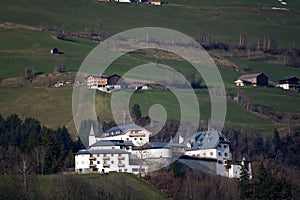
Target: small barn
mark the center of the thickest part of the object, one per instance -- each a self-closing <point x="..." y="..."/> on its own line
<point x="138" y="86"/>
<point x="54" y="51"/>
<point x="288" y="82"/>
<point x="258" y="79"/>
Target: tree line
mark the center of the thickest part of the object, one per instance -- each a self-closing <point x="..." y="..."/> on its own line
<point x="27" y="147"/>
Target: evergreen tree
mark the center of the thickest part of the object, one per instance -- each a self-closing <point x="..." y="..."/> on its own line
<point x="136" y="113"/>
<point x="244" y="184"/>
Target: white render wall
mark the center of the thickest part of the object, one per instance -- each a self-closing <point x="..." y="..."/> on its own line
<point x="153" y="153"/>
<point x="138" y="139"/>
<point x="82" y="162"/>
<point x="203" y="153"/>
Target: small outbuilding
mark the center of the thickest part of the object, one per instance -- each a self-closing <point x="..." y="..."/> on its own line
<point x="288" y="82"/>
<point x="258" y="79"/>
<point x="54" y="51"/>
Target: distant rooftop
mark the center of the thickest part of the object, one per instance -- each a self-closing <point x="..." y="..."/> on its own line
<point x="249" y="76"/>
<point x="124" y="128"/>
<point x="112" y="143"/>
<point x="208" y="140"/>
<point x="102" y="151"/>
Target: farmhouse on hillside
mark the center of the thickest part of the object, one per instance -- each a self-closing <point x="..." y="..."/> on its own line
<point x="127" y="148"/>
<point x="258" y="79"/>
<point x="138" y="86"/>
<point x="288" y="82"/>
<point x="104" y="83"/>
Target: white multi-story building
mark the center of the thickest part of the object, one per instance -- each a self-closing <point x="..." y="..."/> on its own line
<point x="127" y="149"/>
<point x="123" y="149"/>
<point x="211" y="150"/>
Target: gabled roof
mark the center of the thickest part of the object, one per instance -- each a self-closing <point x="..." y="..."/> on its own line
<point x="101" y="151"/>
<point x="112" y="143"/>
<point x="249" y="76"/>
<point x="97" y="76"/>
<point x="287" y="78"/>
<point x="208" y="140"/>
<point x="156" y="145"/>
<point x="124" y="128"/>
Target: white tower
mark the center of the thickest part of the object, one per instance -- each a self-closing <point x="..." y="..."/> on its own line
<point x="92" y="137"/>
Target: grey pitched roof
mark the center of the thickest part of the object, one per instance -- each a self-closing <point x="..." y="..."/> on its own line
<point x="112" y="143"/>
<point x="288" y="78"/>
<point x="208" y="140"/>
<point x="249" y="76"/>
<point x="101" y="151"/>
<point x="155" y="145"/>
<point x="124" y="128"/>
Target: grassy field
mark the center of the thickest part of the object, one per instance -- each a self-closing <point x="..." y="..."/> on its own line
<point x="20" y="48"/>
<point x="221" y="20"/>
<point x="114" y="185"/>
<point x="273" y="71"/>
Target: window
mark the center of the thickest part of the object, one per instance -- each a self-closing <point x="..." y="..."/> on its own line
<point x="204" y="154"/>
<point x="220" y="154"/>
<point x="219" y="146"/>
<point x="112" y="162"/>
<point x="112" y="147"/>
<point x="225" y="154"/>
<point x="135" y="169"/>
<point x="125" y="170"/>
<point x="98" y="162"/>
<point x="141" y="138"/>
<point x="225" y="146"/>
<point x="211" y="153"/>
<point x="120" y="170"/>
<point x="97" y="155"/>
<point x="220" y="162"/>
<point x="127" y="139"/>
<point x="112" y="154"/>
<point x="134" y="138"/>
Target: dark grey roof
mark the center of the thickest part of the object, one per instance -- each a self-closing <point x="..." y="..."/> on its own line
<point x="208" y="140"/>
<point x="112" y="143"/>
<point x="249" y="76"/>
<point x="124" y="128"/>
<point x="287" y="78"/>
<point x="101" y="151"/>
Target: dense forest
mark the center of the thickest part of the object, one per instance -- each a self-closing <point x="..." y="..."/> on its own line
<point x="26" y="147"/>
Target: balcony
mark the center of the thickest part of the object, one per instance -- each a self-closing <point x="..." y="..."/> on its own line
<point x="105" y="165"/>
<point x="105" y="158"/>
<point x="121" y="157"/>
<point x="92" y="165"/>
<point x="136" y="135"/>
<point x="92" y="158"/>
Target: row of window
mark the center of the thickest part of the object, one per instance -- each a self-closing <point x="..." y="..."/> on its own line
<point x="105" y="155"/>
<point x="225" y="154"/>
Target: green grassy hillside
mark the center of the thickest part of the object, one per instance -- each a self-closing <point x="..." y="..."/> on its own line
<point x="223" y="21"/>
<point x="112" y="186"/>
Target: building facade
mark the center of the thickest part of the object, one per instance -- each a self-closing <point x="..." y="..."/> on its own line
<point x="127" y="149"/>
<point x="258" y="79"/>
